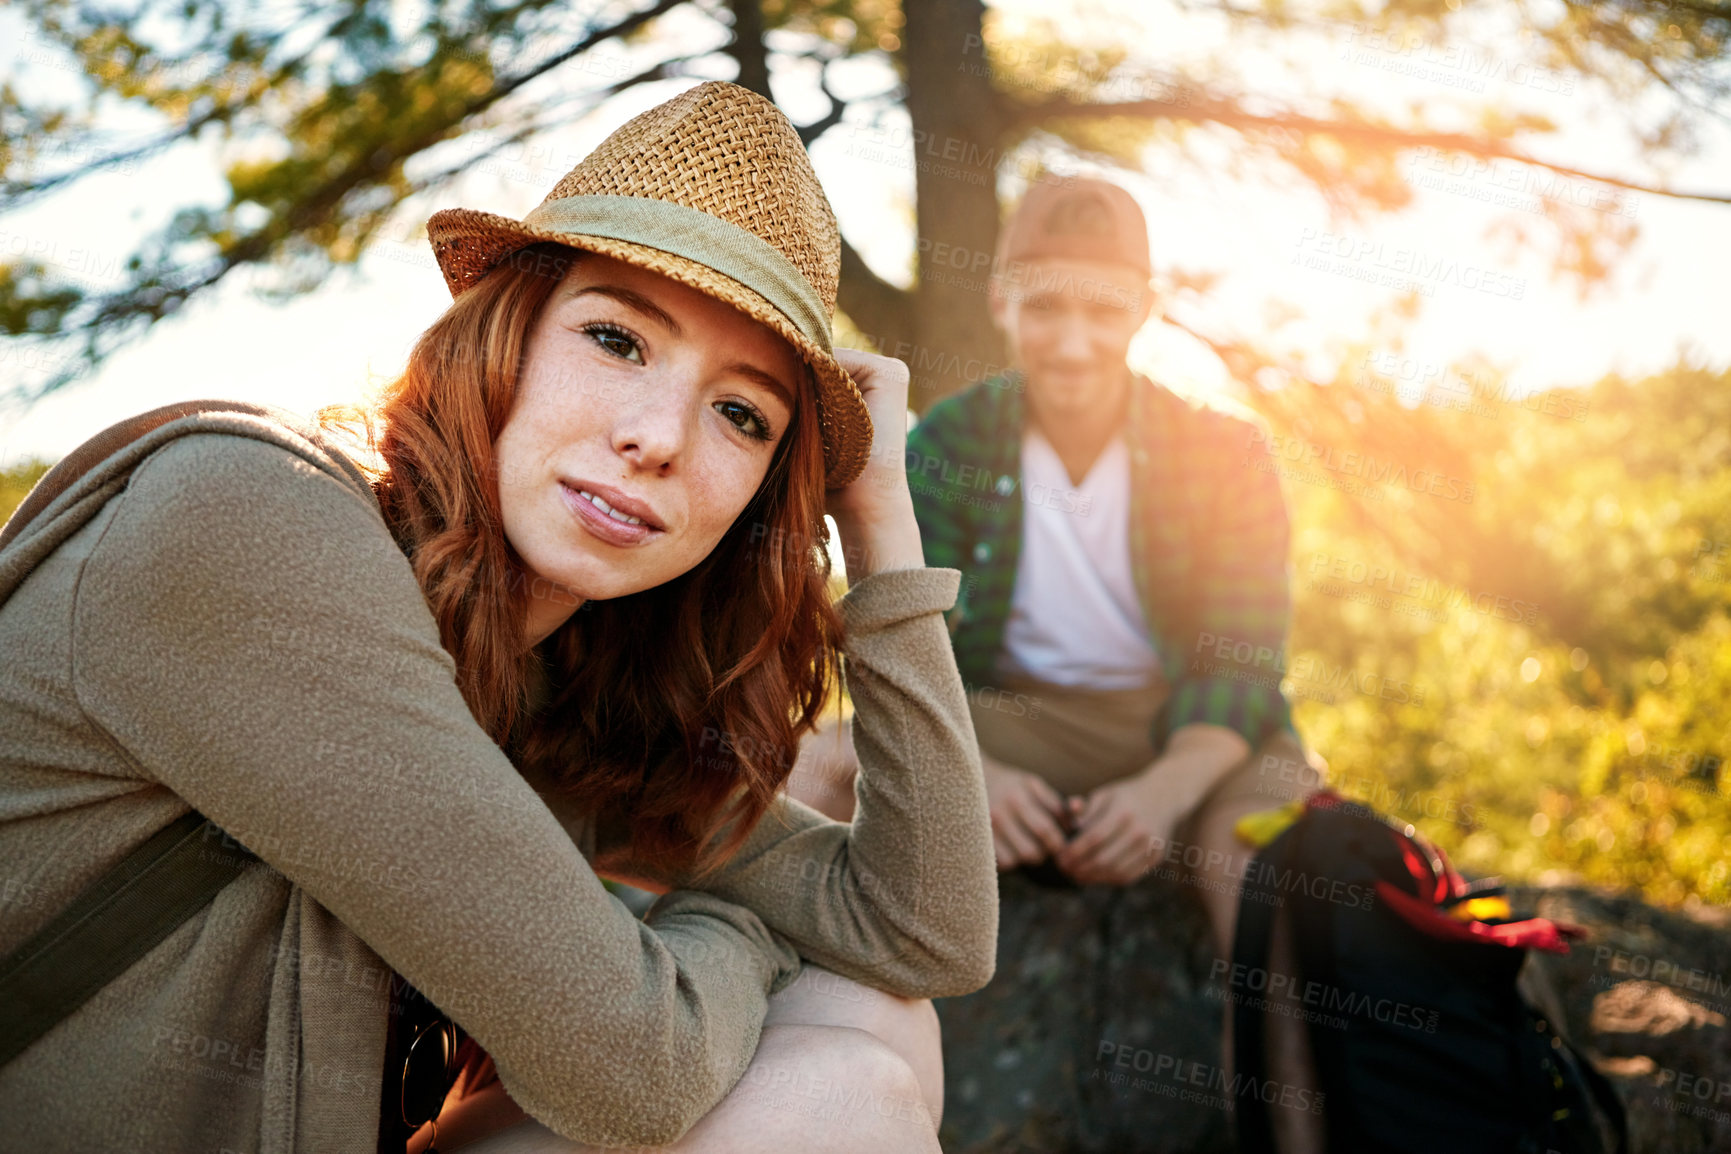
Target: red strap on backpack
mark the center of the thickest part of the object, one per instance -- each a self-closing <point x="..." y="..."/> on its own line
<point x="1535" y="933"/>
<point x="1438" y="886"/>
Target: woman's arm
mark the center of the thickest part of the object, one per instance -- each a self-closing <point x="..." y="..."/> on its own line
<point x="249" y="635"/>
<point x="905" y="899"/>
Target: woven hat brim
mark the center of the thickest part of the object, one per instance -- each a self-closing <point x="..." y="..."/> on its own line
<point x="468" y="243"/>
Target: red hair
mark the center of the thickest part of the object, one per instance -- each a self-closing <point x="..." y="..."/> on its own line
<point x="675" y="711"/>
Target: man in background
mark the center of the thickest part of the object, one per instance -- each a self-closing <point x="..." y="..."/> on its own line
<point x="1125" y="595"/>
<point x="1125" y="584"/>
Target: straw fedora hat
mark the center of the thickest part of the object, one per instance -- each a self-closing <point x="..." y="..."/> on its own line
<point x="713" y="189"/>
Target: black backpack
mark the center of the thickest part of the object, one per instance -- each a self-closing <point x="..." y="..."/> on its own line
<point x="1421" y="1039"/>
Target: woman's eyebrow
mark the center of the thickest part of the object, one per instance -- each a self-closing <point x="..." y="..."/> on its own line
<point x="767" y="380"/>
<point x="636" y="300"/>
<point x="633" y="299"/>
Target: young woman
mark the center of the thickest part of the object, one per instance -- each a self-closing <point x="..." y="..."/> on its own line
<point x="569" y="620"/>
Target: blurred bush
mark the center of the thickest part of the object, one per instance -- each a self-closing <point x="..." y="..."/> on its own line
<point x="17" y="481"/>
<point x="1522" y="644"/>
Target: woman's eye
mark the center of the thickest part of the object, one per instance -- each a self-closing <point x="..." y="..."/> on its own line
<point x="744" y="418"/>
<point x="616" y="341"/>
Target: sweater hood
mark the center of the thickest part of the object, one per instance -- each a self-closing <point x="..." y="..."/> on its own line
<point x="69" y="494"/>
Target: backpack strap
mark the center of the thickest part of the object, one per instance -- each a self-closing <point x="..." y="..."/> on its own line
<point x="116" y="920"/>
<point x="1605" y="1094"/>
<point x="1580" y="1128"/>
<point x="1252" y="948"/>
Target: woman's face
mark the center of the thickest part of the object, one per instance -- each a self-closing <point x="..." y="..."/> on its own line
<point x="645" y="397"/>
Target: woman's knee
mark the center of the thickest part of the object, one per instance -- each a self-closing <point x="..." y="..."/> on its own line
<point x="907" y="1026"/>
<point x="835" y="1089"/>
<point x="820" y="997"/>
<point x="857" y="1091"/>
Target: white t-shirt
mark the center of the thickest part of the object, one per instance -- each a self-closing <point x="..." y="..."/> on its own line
<point x="1075" y="618"/>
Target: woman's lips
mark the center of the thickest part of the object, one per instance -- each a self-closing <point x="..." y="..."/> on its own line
<point x="600" y="524"/>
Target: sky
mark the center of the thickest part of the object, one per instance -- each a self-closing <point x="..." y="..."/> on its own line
<point x="1273" y="245"/>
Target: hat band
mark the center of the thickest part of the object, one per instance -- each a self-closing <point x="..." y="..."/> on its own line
<point x="695" y="235"/>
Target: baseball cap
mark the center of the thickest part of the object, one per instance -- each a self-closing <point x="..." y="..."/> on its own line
<point x="1079" y="219"/>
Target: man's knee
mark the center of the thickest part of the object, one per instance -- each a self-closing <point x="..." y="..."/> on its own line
<point x="1282" y="770"/>
<point x="1278" y="772"/>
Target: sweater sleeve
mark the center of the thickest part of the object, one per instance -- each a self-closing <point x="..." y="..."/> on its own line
<point x="248" y="634"/>
<point x="905" y="898"/>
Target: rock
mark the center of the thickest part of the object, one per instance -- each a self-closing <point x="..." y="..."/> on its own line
<point x="1101" y="1031"/>
<point x="1637" y="1011"/>
<point x="1650" y="994"/>
<point x="1087" y="979"/>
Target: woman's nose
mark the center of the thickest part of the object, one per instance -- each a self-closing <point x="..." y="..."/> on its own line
<point x="653" y="430"/>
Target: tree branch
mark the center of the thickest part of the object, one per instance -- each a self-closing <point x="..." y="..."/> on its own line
<point x="544" y="122"/>
<point x="628" y="25"/>
<point x="19" y="193"/>
<point x="837" y="108"/>
<point x="1232" y="116"/>
<point x="1703" y="7"/>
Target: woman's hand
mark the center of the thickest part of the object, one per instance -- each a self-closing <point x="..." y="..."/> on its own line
<point x="875" y="513"/>
<point x="1026" y="813"/>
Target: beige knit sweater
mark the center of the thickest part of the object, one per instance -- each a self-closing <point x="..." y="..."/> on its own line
<point x="218" y="618"/>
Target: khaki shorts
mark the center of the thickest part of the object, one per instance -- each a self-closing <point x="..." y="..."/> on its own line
<point x="1080" y="739"/>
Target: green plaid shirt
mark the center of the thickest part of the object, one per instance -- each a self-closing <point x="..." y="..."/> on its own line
<point x="1208" y="543"/>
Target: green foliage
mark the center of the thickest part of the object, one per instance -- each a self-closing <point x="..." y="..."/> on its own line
<point x="15" y="483"/>
<point x="29" y="300"/>
<point x="318" y="119"/>
<point x="329" y="120"/>
<point x="853" y="26"/>
<point x="1543" y="672"/>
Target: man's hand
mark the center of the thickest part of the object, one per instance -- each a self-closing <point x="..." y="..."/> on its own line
<point x="1026" y="815"/>
<point x="1120" y="824"/>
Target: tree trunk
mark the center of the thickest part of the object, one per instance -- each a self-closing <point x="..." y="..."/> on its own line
<point x="747" y="47"/>
<point x="958" y="124"/>
<point x="943" y="328"/>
